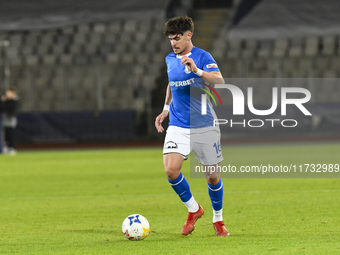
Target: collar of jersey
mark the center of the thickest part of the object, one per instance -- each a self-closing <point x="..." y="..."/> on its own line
<point x="188" y="54"/>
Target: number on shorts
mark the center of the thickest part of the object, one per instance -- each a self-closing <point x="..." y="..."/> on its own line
<point x="217" y="147"/>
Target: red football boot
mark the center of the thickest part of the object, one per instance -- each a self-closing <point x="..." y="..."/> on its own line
<point x="220" y="229"/>
<point x="189" y="225"/>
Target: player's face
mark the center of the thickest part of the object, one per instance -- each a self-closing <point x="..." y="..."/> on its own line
<point x="180" y="43"/>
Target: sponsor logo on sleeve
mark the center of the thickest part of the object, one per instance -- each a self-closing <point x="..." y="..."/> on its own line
<point x="213" y="65"/>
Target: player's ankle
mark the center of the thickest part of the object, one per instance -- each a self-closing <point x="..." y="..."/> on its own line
<point x="192" y="205"/>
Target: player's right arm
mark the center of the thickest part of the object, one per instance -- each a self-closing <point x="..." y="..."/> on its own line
<point x="161" y="117"/>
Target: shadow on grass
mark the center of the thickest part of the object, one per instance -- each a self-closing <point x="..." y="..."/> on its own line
<point x="154" y="236"/>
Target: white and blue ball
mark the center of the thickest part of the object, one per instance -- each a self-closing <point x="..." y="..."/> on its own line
<point x="135" y="227"/>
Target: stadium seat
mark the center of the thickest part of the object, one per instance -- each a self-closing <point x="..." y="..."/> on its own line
<point x="63" y="39"/>
<point x="330" y="74"/>
<point x="130" y="26"/>
<point x="295" y="49"/>
<point x="266" y="47"/>
<point x="128" y="58"/>
<point x="12" y="52"/>
<point x="328" y="45"/>
<point x="47" y="39"/>
<point x="32" y="60"/>
<point x="114" y="27"/>
<point x="234" y="48"/>
<point x="280" y="48"/>
<point x="335" y="63"/>
<point x="27" y="50"/>
<point x="49" y="59"/>
<point x="43" y="50"/>
<point x="312" y="46"/>
<point x="16" y="40"/>
<point x="83" y="29"/>
<point x="113" y="58"/>
<point x="250" y="48"/>
<point x="99" y="28"/>
<point x="32" y="39"/>
<point x="141" y="36"/>
<point x="145" y="26"/>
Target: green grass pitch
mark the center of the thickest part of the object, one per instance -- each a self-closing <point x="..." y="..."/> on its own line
<point x="74" y="202"/>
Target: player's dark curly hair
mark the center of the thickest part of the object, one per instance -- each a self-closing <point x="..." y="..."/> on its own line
<point x="179" y="25"/>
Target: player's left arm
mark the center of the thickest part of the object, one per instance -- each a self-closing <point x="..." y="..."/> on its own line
<point x="213" y="77"/>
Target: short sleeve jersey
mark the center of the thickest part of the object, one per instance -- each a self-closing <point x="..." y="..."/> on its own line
<point x="185" y="111"/>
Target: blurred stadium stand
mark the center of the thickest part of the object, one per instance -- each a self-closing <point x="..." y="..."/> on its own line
<point x="109" y="56"/>
<point x="61" y="69"/>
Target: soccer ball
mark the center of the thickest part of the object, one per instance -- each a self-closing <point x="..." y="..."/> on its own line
<point x="135" y="227"/>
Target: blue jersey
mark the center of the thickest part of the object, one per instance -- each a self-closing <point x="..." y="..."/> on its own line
<point x="185" y="110"/>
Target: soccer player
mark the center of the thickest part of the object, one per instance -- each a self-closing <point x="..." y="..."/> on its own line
<point x="188" y="128"/>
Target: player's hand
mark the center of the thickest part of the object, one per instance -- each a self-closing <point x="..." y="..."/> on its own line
<point x="189" y="62"/>
<point x="159" y="120"/>
<point x="3" y="98"/>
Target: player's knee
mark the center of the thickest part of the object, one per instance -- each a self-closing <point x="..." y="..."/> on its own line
<point x="212" y="180"/>
<point x="171" y="174"/>
<point x="171" y="171"/>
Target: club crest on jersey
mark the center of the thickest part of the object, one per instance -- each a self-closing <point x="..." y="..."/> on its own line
<point x="186" y="70"/>
<point x="213" y="65"/>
